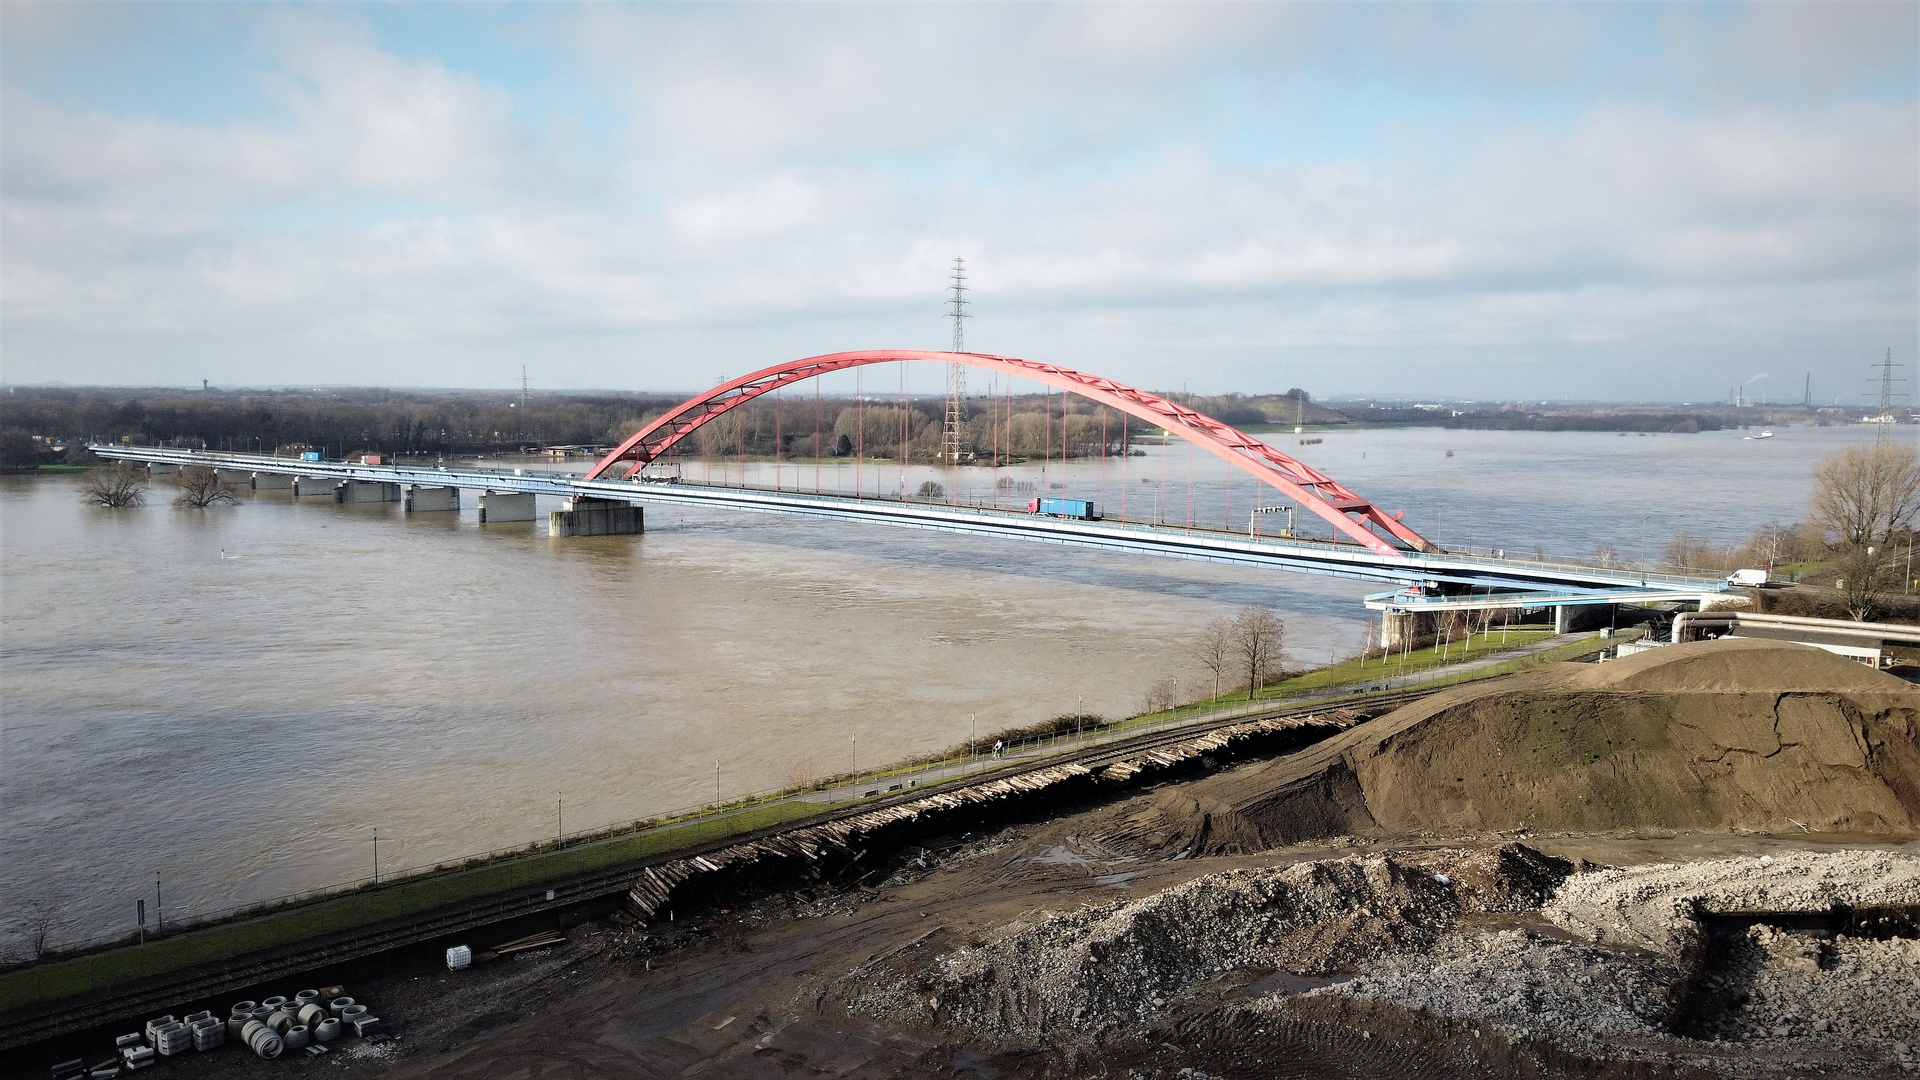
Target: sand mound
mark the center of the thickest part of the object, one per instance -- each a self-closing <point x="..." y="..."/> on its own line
<point x="1733" y="665"/>
<point x="1762" y="736"/>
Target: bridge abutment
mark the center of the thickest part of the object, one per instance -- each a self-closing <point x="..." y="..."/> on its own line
<point x="584" y="515"/>
<point x="499" y="506"/>
<point x="423" y="499"/>
<point x="1398" y="628"/>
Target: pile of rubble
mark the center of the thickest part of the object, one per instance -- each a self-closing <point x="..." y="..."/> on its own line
<point x="1128" y="961"/>
<point x="1659" y="906"/>
<point x="1523" y="985"/>
<point x="1799" y="962"/>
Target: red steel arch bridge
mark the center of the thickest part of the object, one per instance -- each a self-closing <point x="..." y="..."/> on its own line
<point x="1370" y="542"/>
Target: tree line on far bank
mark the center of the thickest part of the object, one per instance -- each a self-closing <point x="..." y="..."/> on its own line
<point x="33" y="421"/>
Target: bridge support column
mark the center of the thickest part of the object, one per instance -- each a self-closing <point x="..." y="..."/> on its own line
<point x="586" y="516"/>
<point x="498" y="506"/>
<point x="316" y="485"/>
<point x="272" y="481"/>
<point x="1568" y="618"/>
<point x="240" y="478"/>
<point x="369" y="491"/>
<point x="1398" y="628"/>
<point x="421" y="498"/>
<point x="160" y="468"/>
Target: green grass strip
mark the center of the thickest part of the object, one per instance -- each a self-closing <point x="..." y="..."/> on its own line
<point x="410" y="896"/>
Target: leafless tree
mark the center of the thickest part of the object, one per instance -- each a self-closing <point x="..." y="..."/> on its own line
<point x="1160" y="696"/>
<point x="119" y="484"/>
<point x="200" y="487"/>
<point x="1257" y="633"/>
<point x="932" y="490"/>
<point x="1214" y="649"/>
<point x="1864" y="494"/>
<point x="1605" y="556"/>
<point x="1687" y="553"/>
<point x="1862" y="571"/>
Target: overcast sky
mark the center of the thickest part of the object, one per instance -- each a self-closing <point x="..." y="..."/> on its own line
<point x="1623" y="201"/>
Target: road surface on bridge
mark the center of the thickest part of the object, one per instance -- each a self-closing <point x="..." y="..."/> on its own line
<point x="1498" y="582"/>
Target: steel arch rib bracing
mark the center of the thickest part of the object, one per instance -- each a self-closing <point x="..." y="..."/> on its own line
<point x="1312" y="489"/>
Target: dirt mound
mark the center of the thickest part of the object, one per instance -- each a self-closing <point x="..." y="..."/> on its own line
<point x="1733" y="665"/>
<point x="1762" y="736"/>
<point x="1083" y="971"/>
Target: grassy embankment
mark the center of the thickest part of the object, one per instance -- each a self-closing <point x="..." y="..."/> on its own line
<point x="1299" y="689"/>
<point x="62" y="978"/>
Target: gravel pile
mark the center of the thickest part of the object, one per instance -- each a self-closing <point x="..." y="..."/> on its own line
<point x="1791" y="992"/>
<point x="1780" y="985"/>
<point x="1524" y="985"/>
<point x="1128" y="961"/>
<point x="1653" y="907"/>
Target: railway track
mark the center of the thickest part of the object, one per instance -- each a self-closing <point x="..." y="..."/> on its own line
<point x="36" y="1024"/>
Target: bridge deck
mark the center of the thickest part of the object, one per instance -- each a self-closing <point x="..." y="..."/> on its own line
<point x="1546" y="583"/>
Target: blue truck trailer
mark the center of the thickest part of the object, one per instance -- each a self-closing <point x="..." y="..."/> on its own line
<point x="1067" y="508"/>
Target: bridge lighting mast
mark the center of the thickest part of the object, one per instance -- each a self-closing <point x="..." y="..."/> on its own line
<point x="952" y="443"/>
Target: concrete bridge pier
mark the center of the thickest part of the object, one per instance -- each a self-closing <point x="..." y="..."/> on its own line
<point x="498" y="506"/>
<point x="584" y="515"/>
<point x="240" y="478"/>
<point x="425" y="498"/>
<point x="316" y="485"/>
<point x="272" y="481"/>
<point x="161" y="468"/>
<point x="1568" y="618"/>
<point x="1397" y="627"/>
<point x="369" y="491"/>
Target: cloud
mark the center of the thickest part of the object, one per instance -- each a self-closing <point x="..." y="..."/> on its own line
<point x="1218" y="194"/>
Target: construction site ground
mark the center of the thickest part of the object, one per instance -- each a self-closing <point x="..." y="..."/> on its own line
<point x="1549" y="918"/>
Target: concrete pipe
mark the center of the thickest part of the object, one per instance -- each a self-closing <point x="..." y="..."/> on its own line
<point x="339" y="1004"/>
<point x="309" y="1015"/>
<point x="327" y="1030"/>
<point x="306" y="997"/>
<point x="351" y="1013"/>
<point x="248" y="1029"/>
<point x="280" y="1021"/>
<point x="272" y="1003"/>
<point x="243" y="1007"/>
<point x="296" y="1037"/>
<point x="236" y="1023"/>
<point x="266" y="1043"/>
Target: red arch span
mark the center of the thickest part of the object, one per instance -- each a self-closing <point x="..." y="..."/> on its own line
<point x="1306" y="485"/>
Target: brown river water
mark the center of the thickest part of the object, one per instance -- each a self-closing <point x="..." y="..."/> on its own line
<point x="236" y="699"/>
